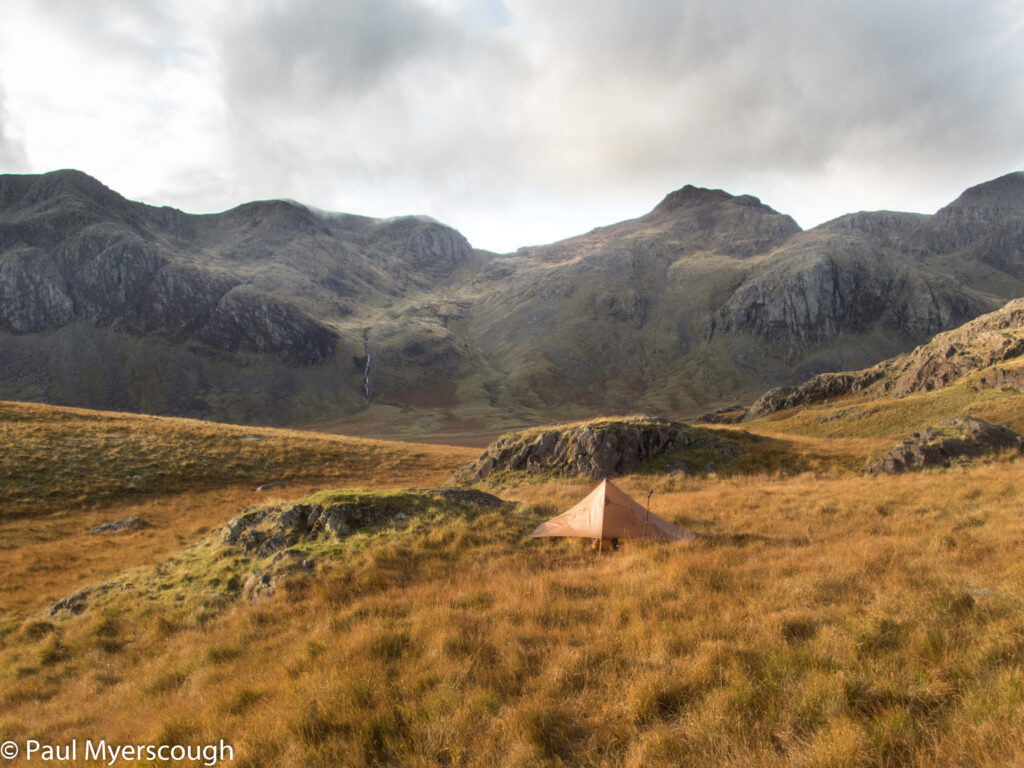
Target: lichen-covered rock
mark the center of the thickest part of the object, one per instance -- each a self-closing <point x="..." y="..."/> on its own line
<point x="595" y="450"/>
<point x="264" y="531"/>
<point x="951" y="440"/>
<point x="250" y="516"/>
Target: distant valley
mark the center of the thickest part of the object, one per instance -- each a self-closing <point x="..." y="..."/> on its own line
<point x="274" y="313"/>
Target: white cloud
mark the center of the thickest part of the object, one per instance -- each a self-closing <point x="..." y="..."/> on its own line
<point x="519" y="121"/>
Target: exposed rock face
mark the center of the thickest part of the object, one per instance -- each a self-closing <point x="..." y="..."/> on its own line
<point x="994" y="338"/>
<point x="64" y="262"/>
<point x="247" y="320"/>
<point x="978" y="346"/>
<point x="604" y="449"/>
<point x="818" y="389"/>
<point x="808" y="298"/>
<point x="33" y="295"/>
<point x="951" y="440"/>
<point x="986" y="222"/>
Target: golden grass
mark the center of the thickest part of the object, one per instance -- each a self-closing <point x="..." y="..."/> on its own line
<point x="66" y="470"/>
<point x="861" y="416"/>
<point x="67" y="458"/>
<point x="862" y="622"/>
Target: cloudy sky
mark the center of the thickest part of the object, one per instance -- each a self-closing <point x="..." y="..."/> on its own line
<point x="517" y="121"/>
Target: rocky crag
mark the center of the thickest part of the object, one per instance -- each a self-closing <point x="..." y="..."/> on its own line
<point x="991" y="346"/>
<point x="598" y="450"/>
<point x="274" y="313"/>
<point x="939" y="446"/>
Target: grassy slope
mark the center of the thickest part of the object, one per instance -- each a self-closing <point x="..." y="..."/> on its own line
<point x="59" y="458"/>
<point x="866" y="415"/>
<point x="65" y="470"/>
<point x="865" y="621"/>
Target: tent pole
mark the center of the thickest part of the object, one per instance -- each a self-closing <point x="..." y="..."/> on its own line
<point x="600" y="543"/>
<point x="647" y="517"/>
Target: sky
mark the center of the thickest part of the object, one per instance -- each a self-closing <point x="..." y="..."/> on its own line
<point x="519" y="121"/>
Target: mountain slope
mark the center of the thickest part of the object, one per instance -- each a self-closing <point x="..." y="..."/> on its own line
<point x="276" y="313"/>
<point x="972" y="372"/>
<point x="989" y="350"/>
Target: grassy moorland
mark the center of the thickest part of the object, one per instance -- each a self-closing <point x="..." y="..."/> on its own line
<point x="65" y="470"/>
<point x="58" y="458"/>
<point x="825" y="619"/>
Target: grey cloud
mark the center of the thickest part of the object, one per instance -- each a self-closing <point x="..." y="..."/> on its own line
<point x="297" y="53"/>
<point x="323" y="97"/>
<point x="407" y="100"/>
<point x="707" y="84"/>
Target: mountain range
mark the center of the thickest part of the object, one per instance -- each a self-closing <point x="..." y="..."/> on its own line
<point x="277" y="313"/>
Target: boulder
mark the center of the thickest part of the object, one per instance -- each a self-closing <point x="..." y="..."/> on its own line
<point x="951" y="440"/>
<point x="131" y="524"/>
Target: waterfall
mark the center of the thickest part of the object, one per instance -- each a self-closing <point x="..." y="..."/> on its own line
<point x="366" y="377"/>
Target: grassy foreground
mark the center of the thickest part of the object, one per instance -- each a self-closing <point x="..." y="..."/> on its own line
<point x="861" y="622"/>
<point x="65" y="470"/>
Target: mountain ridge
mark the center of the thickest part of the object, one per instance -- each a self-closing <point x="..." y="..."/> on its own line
<point x="275" y="312"/>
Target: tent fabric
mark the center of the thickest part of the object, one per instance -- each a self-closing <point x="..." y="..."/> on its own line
<point x="607" y="513"/>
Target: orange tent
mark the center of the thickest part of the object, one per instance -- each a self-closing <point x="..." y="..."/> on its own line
<point x="608" y="513"/>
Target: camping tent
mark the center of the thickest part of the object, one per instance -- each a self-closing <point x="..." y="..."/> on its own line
<point x="609" y="513"/>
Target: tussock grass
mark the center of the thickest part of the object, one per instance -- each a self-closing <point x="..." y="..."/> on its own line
<point x="863" y="622"/>
<point x="68" y="458"/>
<point x="66" y="470"/>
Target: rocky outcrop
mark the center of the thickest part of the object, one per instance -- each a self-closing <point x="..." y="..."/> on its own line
<point x="434" y="249"/>
<point x="106" y="274"/>
<point x="713" y="220"/>
<point x="265" y="531"/>
<point x="727" y="414"/>
<point x="822" y="387"/>
<point x="247" y="320"/>
<point x="119" y="526"/>
<point x="33" y="293"/>
<point x="947" y="442"/>
<point x="978" y="347"/>
<point x="594" y="450"/>
<point x="284" y="533"/>
<point x="74" y="604"/>
<point x="994" y="338"/>
<point x="268" y="544"/>
<point x="985" y="223"/>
